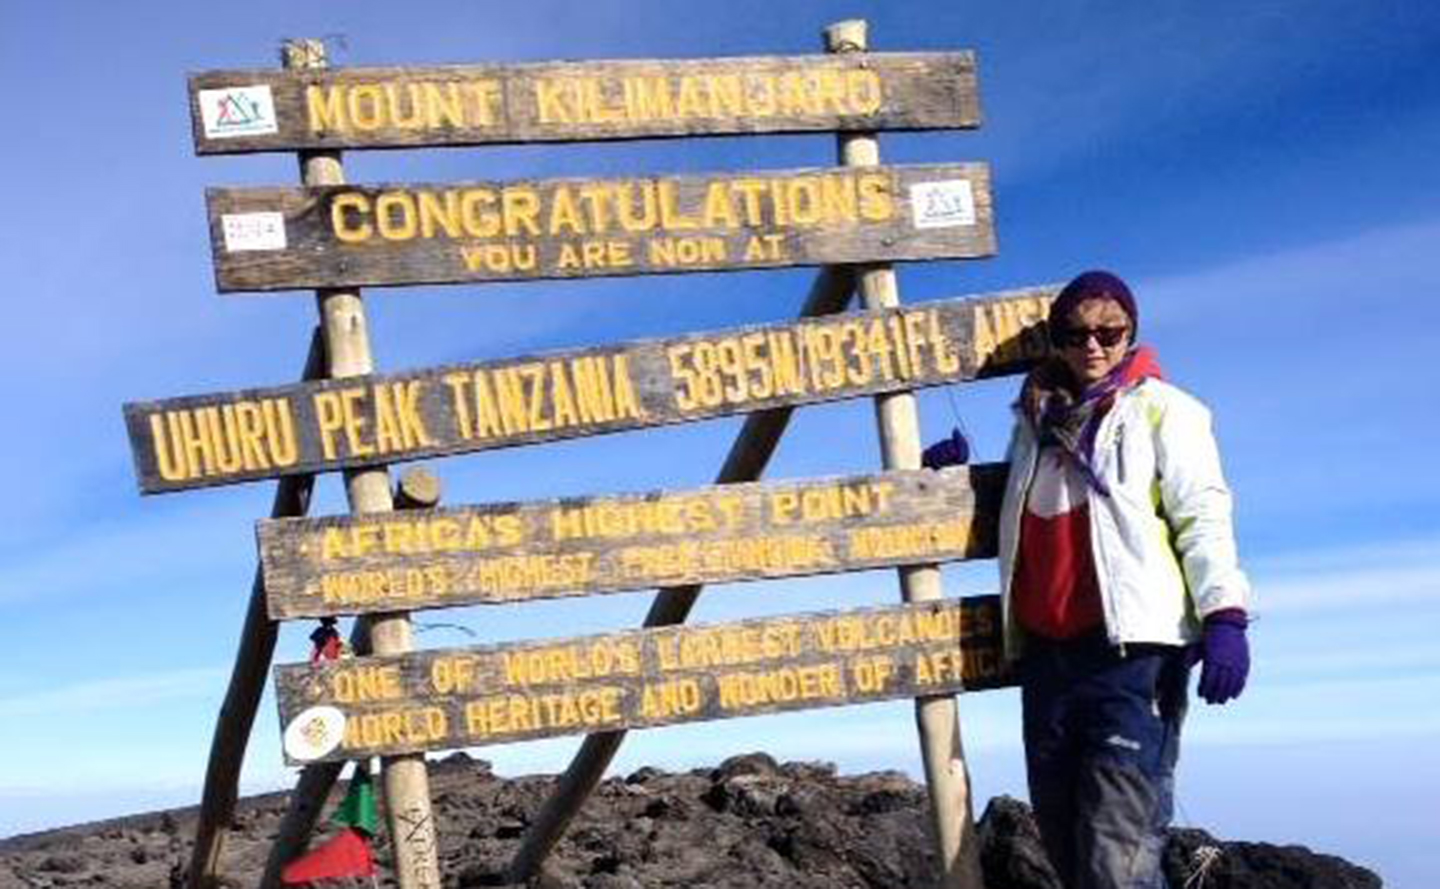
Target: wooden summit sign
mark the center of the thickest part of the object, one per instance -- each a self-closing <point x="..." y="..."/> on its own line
<point x="435" y="233"/>
<point x="321" y="426"/>
<point x="356" y="708"/>
<point x="510" y="552"/>
<point x="242" y="111"/>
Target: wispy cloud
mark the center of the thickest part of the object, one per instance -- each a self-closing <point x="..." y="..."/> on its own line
<point x="1336" y="710"/>
<point x="1349" y="577"/>
<point x="116" y="693"/>
<point x="1387" y="265"/>
<point x="105" y="559"/>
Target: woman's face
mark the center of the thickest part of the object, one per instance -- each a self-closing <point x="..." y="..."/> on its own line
<point x="1088" y="328"/>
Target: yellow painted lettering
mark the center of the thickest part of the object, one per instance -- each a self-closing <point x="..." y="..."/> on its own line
<point x="595" y="401"/>
<point x="627" y="403"/>
<point x="440" y="212"/>
<point x="355" y="422"/>
<point x="565" y="216"/>
<point x="719" y="211"/>
<point x="534" y="385"/>
<point x="387" y="423"/>
<point x="486" y="97"/>
<point x="477" y="213"/>
<point x="325" y="111"/>
<point x="170" y="456"/>
<point x="839" y="199"/>
<point x="647" y="216"/>
<point x="877" y="203"/>
<point x="520" y="207"/>
<point x="914" y="338"/>
<point x="728" y="357"/>
<point x="785" y="363"/>
<point x="802" y="200"/>
<point x="760" y="376"/>
<point x="648" y="98"/>
<point x="487" y="414"/>
<point x="510" y="398"/>
<point x="280" y="431"/>
<point x="363" y="102"/>
<point x="670" y="216"/>
<point x="345" y="228"/>
<point x="404" y="106"/>
<point x="864" y="90"/>
<point x="561" y="398"/>
<point x="444" y="104"/>
<point x="947" y="360"/>
<point x="395" y="216"/>
<point x="549" y="102"/>
<point x="459" y="382"/>
<point x="250" y="426"/>
<point x="681" y="372"/>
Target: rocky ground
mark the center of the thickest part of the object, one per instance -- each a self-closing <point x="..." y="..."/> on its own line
<point x="748" y="822"/>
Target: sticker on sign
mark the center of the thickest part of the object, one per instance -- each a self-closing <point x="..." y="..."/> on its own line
<point x="253" y="231"/>
<point x="314" y="733"/>
<point x="942" y="204"/>
<point x="238" y="111"/>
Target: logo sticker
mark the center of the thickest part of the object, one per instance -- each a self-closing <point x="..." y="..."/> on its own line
<point x="238" y="111"/>
<point x="942" y="204"/>
<point x="314" y="733"/>
<point x="253" y="231"/>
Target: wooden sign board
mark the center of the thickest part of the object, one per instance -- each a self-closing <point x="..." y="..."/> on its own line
<point x="508" y="552"/>
<point x="457" y="232"/>
<point x="244" y="111"/>
<point x="362" y="707"/>
<point x="231" y="437"/>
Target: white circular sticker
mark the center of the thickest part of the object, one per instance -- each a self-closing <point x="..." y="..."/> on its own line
<point x="314" y="733"/>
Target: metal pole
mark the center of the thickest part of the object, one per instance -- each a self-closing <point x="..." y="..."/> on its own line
<point x="936" y="716"/>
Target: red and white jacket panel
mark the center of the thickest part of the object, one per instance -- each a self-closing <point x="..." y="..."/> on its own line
<point x="1163" y="541"/>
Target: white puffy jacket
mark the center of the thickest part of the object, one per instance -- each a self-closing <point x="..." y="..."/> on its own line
<point x="1163" y="540"/>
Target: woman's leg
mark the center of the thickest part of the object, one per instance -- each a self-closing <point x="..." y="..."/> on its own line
<point x="1050" y="755"/>
<point x="1125" y="776"/>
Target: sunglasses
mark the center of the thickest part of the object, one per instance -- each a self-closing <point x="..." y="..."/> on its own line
<point x="1108" y="337"/>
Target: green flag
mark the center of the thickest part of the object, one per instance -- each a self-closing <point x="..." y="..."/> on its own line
<point x="357" y="810"/>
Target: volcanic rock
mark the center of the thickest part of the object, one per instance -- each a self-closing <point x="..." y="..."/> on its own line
<point x="748" y="822"/>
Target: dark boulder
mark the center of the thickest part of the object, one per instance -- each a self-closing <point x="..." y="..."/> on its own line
<point x="748" y="823"/>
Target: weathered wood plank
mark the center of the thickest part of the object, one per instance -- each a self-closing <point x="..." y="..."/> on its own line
<point x="508" y="552"/>
<point x="439" y="233"/>
<point x="637" y="679"/>
<point x="245" y="111"/>
<point x="230" y="437"/>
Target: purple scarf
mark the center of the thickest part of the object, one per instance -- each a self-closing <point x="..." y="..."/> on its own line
<point x="1060" y="416"/>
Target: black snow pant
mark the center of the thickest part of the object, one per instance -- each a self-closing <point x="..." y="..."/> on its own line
<point x="1102" y="736"/>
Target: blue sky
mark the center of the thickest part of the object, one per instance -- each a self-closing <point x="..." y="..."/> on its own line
<point x="1263" y="173"/>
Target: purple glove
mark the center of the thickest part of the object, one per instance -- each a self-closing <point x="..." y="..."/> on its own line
<point x="1226" y="656"/>
<point x="951" y="451"/>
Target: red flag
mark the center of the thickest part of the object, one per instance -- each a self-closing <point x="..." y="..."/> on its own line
<point x="347" y="855"/>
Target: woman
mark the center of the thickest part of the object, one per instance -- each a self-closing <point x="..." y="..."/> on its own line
<point x="1117" y="569"/>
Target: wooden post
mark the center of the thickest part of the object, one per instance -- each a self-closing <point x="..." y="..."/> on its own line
<point x="748" y="457"/>
<point x="247" y="685"/>
<point x="347" y="342"/>
<point x="937" y="718"/>
<point x="418" y="489"/>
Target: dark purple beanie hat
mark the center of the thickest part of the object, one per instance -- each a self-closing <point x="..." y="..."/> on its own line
<point x="1092" y="285"/>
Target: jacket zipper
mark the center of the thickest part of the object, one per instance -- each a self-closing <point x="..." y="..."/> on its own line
<point x="1120" y="453"/>
<point x="1097" y="546"/>
<point x="1007" y="620"/>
